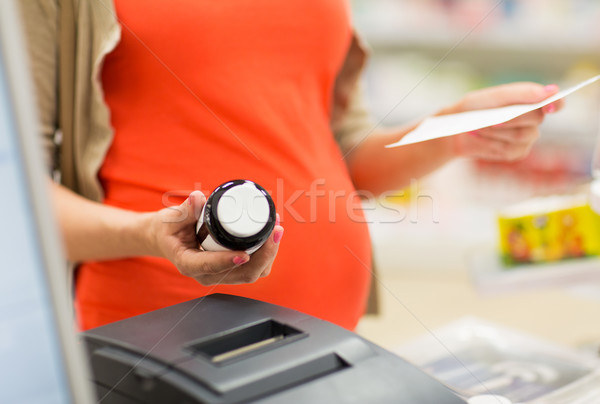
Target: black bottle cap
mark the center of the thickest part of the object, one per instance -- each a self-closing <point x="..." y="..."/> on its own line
<point x="239" y="215"/>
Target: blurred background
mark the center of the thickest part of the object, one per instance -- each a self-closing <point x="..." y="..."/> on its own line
<point x="427" y="54"/>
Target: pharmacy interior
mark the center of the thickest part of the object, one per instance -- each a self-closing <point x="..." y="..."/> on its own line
<point x="490" y="266"/>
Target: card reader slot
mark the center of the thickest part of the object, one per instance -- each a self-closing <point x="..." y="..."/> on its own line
<point x="234" y="345"/>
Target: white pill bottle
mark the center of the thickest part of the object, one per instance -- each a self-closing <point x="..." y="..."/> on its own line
<point x="238" y="215"/>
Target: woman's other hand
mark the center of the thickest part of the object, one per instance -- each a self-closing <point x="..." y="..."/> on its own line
<point x="512" y="140"/>
<point x="173" y="236"/>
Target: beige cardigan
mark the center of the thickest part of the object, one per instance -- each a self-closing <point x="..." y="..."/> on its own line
<point x="68" y="40"/>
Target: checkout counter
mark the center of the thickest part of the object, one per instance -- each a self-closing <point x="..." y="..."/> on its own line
<point x="227" y="349"/>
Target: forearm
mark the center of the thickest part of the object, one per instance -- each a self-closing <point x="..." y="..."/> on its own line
<point x="92" y="231"/>
<point x="377" y="169"/>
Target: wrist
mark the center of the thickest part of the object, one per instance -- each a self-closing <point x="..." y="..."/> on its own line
<point x="145" y="229"/>
<point x="452" y="145"/>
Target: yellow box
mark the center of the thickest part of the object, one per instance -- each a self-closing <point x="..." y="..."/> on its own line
<point x="549" y="229"/>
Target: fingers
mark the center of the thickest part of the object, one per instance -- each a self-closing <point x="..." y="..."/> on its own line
<point x="261" y="261"/>
<point x="554" y="107"/>
<point x="211" y="268"/>
<point x="533" y="118"/>
<point x="177" y="242"/>
<point x="259" y="265"/>
<point x="266" y="254"/>
<point x="511" y="140"/>
<point x="496" y="148"/>
<point x="518" y="135"/>
<point x="275" y="238"/>
<point x="196" y="263"/>
<point x="508" y="94"/>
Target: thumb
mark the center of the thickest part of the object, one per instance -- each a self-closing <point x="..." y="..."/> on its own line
<point x="191" y="208"/>
<point x="508" y="94"/>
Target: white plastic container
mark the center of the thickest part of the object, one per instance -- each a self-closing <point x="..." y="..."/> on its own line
<point x="238" y="215"/>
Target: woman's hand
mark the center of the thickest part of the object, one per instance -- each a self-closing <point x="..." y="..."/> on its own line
<point x="173" y="236"/>
<point x="509" y="141"/>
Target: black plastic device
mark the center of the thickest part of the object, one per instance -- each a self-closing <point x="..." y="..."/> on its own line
<point x="228" y="349"/>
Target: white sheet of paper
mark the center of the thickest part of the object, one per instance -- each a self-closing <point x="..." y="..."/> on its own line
<point x="453" y="124"/>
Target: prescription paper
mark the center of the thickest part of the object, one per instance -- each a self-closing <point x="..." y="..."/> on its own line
<point x="453" y="124"/>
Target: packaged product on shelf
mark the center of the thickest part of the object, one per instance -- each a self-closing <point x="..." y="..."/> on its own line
<point x="548" y="229"/>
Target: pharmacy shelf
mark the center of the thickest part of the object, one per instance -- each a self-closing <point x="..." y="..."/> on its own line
<point x="493" y="54"/>
<point x="515" y="41"/>
<point x="546" y="37"/>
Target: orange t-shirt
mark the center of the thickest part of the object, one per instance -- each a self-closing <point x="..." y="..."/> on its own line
<point x="202" y="92"/>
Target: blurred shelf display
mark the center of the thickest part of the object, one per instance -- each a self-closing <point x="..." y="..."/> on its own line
<point x="548" y="229"/>
<point x="549" y="169"/>
<point x="428" y="53"/>
<point x="538" y="26"/>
